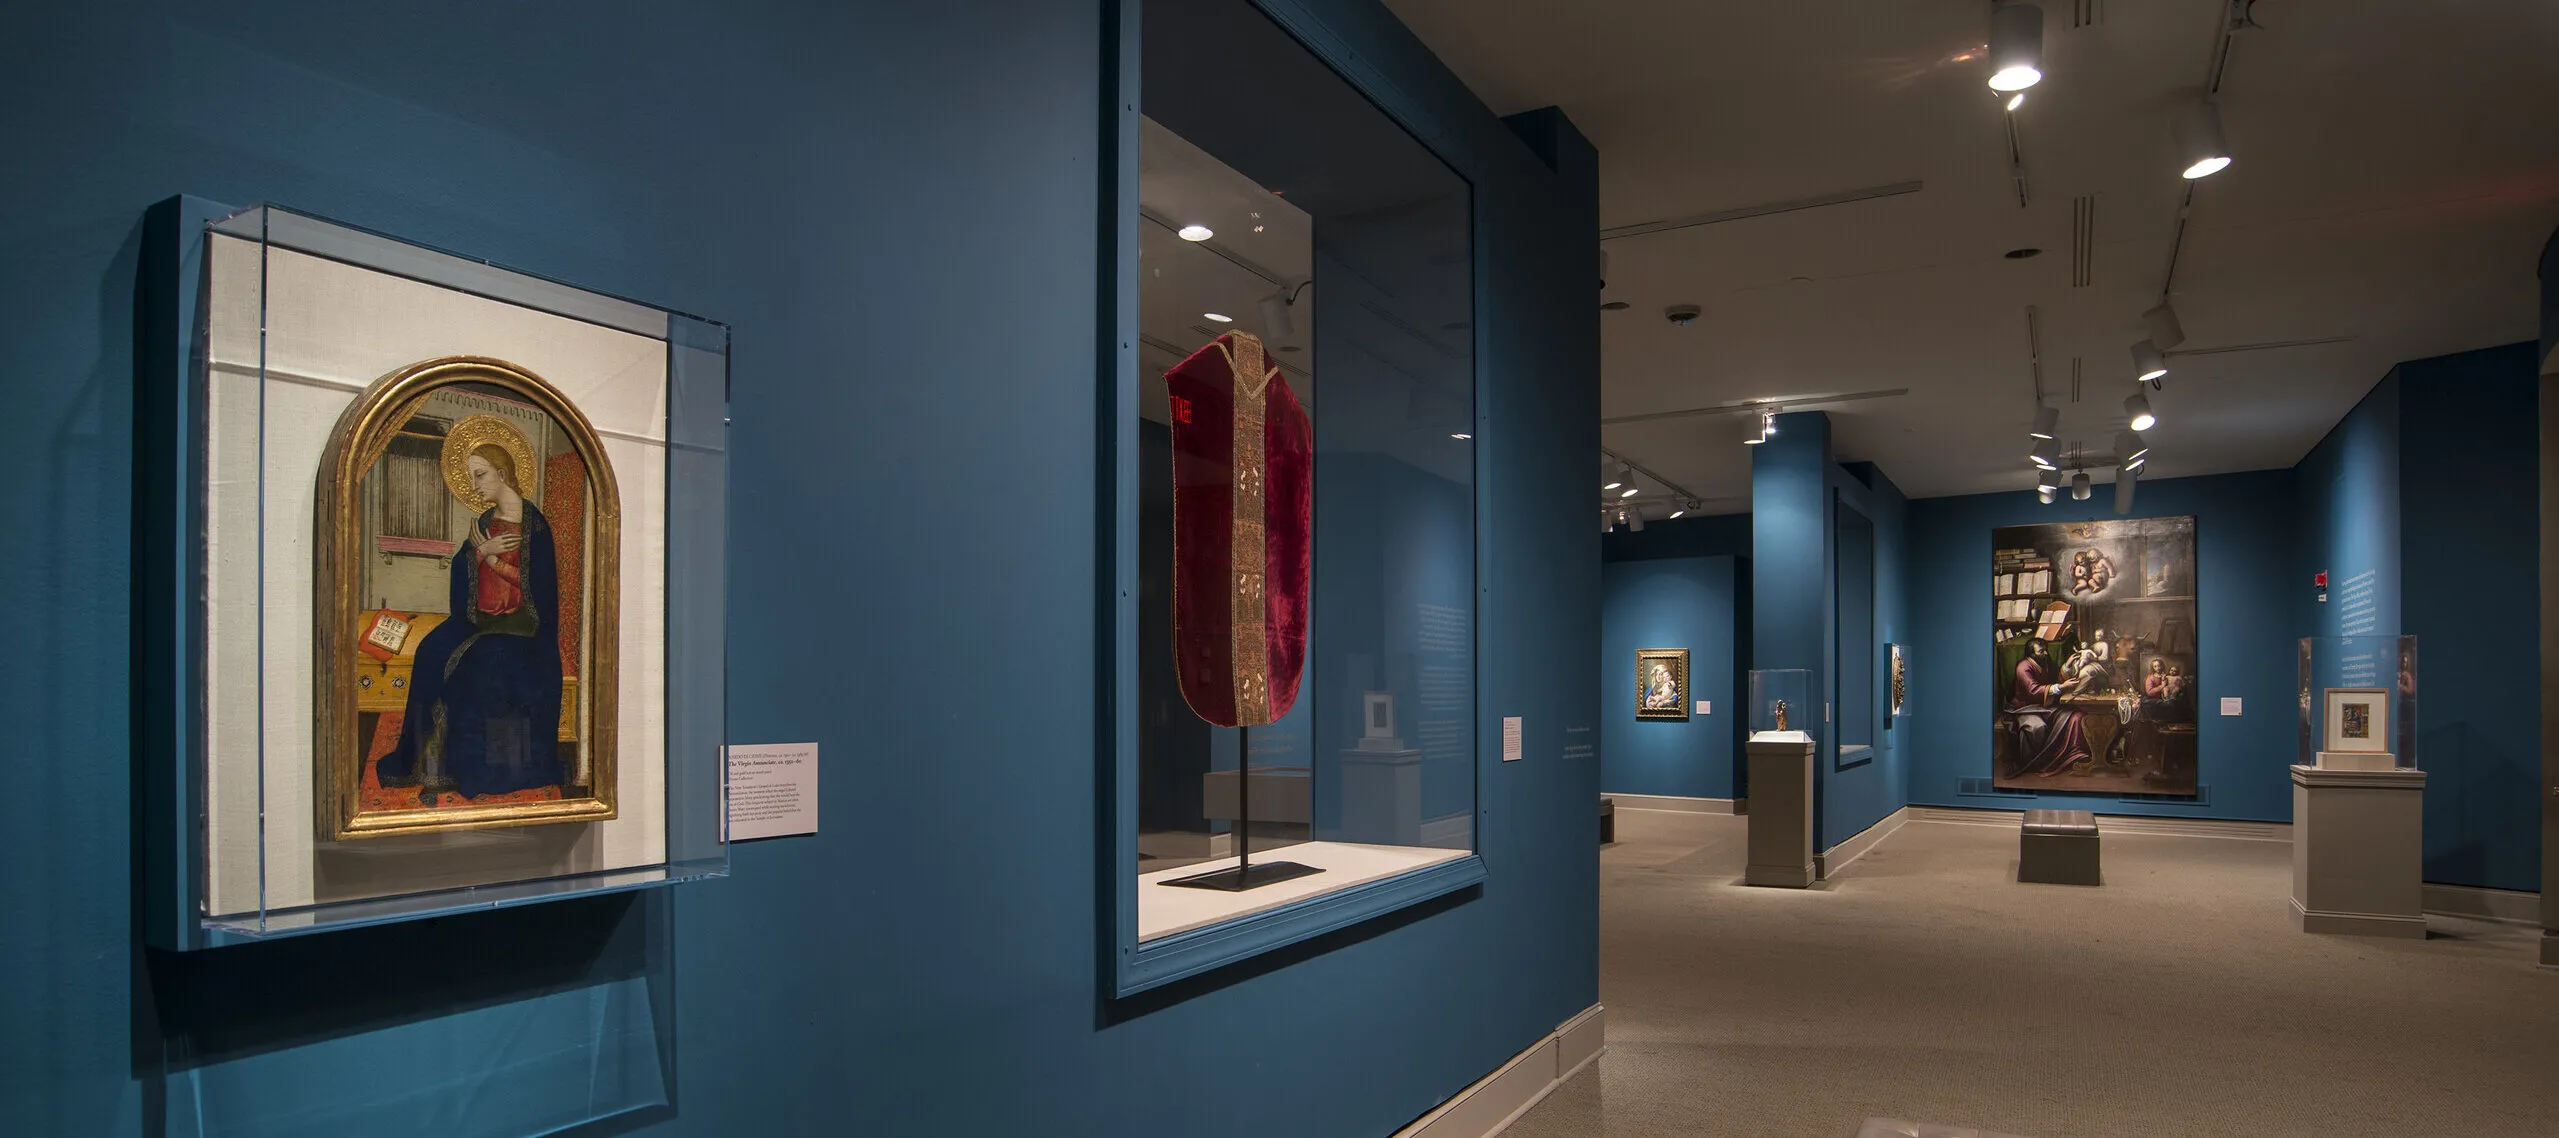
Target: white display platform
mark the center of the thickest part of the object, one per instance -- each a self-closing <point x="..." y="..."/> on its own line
<point x="2358" y="851"/>
<point x="1781" y="810"/>
<point x="1163" y="910"/>
<point x="2356" y="761"/>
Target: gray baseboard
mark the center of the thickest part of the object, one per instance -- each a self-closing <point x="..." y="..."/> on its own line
<point x="2113" y="824"/>
<point x="2358" y="924"/>
<point x="1495" y="1101"/>
<point x="2484" y="904"/>
<point x="1836" y="858"/>
<point x="1672" y="803"/>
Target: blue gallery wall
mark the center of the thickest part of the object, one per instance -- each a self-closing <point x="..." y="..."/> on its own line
<point x="2244" y="551"/>
<point x="856" y="188"/>
<point x="1857" y="795"/>
<point x="1678" y="602"/>
<point x="2470" y="553"/>
<point x="2348" y="487"/>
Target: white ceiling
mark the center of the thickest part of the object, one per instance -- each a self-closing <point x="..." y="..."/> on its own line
<point x="2396" y="173"/>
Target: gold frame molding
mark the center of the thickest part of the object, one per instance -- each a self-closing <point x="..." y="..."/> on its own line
<point x="1678" y="658"/>
<point x="362" y="433"/>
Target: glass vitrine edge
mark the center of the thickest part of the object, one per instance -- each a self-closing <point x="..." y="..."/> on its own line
<point x="196" y="926"/>
<point x="1138" y="965"/>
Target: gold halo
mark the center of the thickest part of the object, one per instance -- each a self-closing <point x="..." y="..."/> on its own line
<point x="467" y="436"/>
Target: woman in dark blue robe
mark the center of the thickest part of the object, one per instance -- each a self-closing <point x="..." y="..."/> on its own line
<point x="484" y="695"/>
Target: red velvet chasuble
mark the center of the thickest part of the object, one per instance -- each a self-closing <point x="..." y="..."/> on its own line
<point x="1243" y="523"/>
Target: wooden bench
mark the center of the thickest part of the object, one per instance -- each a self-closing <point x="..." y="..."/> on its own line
<point x="2058" y="847"/>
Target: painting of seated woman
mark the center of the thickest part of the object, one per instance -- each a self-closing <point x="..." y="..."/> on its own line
<point x="467" y="683"/>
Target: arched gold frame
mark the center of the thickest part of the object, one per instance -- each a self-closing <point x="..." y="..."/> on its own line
<point x="362" y="433"/>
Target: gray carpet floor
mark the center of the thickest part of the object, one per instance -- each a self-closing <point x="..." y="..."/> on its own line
<point x="1925" y="983"/>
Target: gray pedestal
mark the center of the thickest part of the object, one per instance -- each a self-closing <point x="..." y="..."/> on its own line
<point x="1781" y="809"/>
<point x="1382" y="797"/>
<point x="2358" y="851"/>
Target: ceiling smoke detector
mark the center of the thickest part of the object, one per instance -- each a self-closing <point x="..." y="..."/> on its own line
<point x="1683" y="314"/>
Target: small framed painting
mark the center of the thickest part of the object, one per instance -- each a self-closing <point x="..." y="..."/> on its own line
<point x="1898" y="674"/>
<point x="1661" y="683"/>
<point x="2358" y="719"/>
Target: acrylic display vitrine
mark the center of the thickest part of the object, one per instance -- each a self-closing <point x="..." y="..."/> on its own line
<point x="2357" y="701"/>
<point x="434" y="571"/>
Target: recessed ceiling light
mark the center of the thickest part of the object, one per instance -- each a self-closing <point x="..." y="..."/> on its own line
<point x="1194" y="233"/>
<point x="2022" y="254"/>
<point x="2017" y="100"/>
<point x="1220" y="317"/>
<point x="1615" y="306"/>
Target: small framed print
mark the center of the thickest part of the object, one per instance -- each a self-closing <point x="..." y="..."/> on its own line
<point x="1661" y="683"/>
<point x="2358" y="719"/>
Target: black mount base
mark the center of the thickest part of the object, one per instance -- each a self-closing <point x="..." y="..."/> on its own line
<point x="1241" y="878"/>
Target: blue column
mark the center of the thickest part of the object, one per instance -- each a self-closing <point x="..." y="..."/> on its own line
<point x="1790" y="542"/>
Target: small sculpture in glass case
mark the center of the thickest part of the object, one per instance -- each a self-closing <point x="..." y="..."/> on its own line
<point x="1778" y="712"/>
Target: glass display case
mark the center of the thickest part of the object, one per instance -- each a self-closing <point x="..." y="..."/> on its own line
<point x="2357" y="700"/>
<point x="1298" y="541"/>
<point x="435" y="559"/>
<point x="1784" y="701"/>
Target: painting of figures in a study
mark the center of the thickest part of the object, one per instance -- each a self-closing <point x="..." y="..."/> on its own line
<point x="2094" y="681"/>
<point x="473" y="581"/>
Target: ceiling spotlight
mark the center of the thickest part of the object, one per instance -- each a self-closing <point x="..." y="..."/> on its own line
<point x="2165" y="331"/>
<point x="2123" y="491"/>
<point x="1684" y="507"/>
<point x="1628" y="492"/>
<point x="2079" y="487"/>
<point x="2200" y="148"/>
<point x="1606" y="523"/>
<point x="2016" y="46"/>
<point x="2137" y="409"/>
<point x="2149" y="362"/>
<point x="2044" y="494"/>
<point x="1618" y="479"/>
<point x="1275" y="318"/>
<point x="2130" y="450"/>
<point x="1220" y="317"/>
<point x="1194" y="233"/>
<point x="2046" y="451"/>
<point x="2047" y="421"/>
<point x="1761" y="431"/>
<point x="1635" y="521"/>
<point x="2015" y="101"/>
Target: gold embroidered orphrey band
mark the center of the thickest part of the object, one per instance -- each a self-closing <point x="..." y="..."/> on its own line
<point x="1248" y="556"/>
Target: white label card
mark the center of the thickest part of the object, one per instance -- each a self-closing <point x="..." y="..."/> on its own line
<point x="1705" y="707"/>
<point x="772" y="790"/>
<point x="2230" y="705"/>
<point x="1510" y="738"/>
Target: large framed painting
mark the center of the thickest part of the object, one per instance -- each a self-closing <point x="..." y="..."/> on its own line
<point x="1661" y="683"/>
<point x="2094" y="679"/>
<point x="469" y="541"/>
